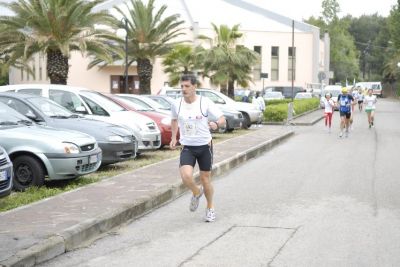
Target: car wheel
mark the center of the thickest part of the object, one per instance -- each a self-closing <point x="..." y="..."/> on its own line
<point x="246" y="121"/>
<point x="28" y="171"/>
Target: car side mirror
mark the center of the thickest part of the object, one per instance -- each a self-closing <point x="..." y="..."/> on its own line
<point x="220" y="101"/>
<point x="80" y="109"/>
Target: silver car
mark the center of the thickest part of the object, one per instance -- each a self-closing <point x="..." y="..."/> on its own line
<point x="38" y="152"/>
<point x="6" y="173"/>
<point x="117" y="143"/>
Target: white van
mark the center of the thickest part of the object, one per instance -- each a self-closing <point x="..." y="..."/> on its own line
<point x="375" y="86"/>
<point x="94" y="105"/>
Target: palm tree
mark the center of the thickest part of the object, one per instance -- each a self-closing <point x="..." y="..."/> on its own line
<point x="149" y="36"/>
<point x="226" y="62"/>
<point x="55" y="28"/>
<point x="182" y="59"/>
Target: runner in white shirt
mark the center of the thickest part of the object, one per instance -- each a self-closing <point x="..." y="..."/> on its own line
<point x="329" y="104"/>
<point x="369" y="102"/>
<point x="191" y="114"/>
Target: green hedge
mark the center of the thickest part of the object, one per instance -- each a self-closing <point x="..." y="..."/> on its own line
<point x="276" y="102"/>
<point x="303" y="105"/>
<point x="278" y="112"/>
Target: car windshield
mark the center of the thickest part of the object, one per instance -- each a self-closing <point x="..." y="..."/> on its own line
<point x="102" y="101"/>
<point x="154" y="104"/>
<point x="50" y="108"/>
<point x="273" y="94"/>
<point x="135" y="104"/>
<point x="163" y="102"/>
<point x="10" y="117"/>
<point x="334" y="93"/>
<point x="227" y="99"/>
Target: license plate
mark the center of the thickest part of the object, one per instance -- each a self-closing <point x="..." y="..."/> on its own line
<point x="3" y="175"/>
<point x="93" y="159"/>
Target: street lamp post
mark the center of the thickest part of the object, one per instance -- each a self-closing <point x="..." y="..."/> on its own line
<point x="126" y="90"/>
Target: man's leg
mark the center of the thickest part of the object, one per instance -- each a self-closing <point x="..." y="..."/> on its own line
<point x="205" y="178"/>
<point x="187" y="178"/>
<point x="342" y="125"/>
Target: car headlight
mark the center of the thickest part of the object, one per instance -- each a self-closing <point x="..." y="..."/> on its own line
<point x="166" y="121"/>
<point x="70" y="148"/>
<point x="115" y="138"/>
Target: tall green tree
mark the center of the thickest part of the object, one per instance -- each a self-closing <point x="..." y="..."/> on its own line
<point x="391" y="70"/>
<point x="343" y="53"/>
<point x="371" y="37"/>
<point x="227" y="63"/>
<point x="55" y="28"/>
<point x="150" y="35"/>
<point x="182" y="59"/>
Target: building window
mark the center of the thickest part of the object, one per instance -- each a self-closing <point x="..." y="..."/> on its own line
<point x="275" y="63"/>
<point x="118" y="83"/>
<point x="257" y="65"/>
<point x="292" y="55"/>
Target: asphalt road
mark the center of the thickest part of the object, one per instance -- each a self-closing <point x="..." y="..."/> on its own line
<point x="316" y="200"/>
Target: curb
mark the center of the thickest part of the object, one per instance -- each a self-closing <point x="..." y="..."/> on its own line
<point x="88" y="230"/>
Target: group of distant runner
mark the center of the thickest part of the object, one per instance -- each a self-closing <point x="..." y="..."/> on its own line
<point x="346" y="103"/>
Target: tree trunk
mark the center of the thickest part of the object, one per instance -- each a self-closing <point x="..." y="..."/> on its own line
<point x="223" y="89"/>
<point x="145" y="71"/>
<point x="57" y="67"/>
<point x="231" y="88"/>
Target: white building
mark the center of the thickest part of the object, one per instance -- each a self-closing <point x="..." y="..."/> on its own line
<point x="264" y="31"/>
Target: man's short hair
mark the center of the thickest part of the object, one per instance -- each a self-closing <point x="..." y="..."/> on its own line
<point x="189" y="77"/>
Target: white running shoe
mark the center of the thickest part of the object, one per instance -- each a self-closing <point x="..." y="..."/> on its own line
<point x="341" y="134"/>
<point x="210" y="215"/>
<point x="194" y="201"/>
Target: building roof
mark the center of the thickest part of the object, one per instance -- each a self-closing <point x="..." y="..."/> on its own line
<point x="250" y="16"/>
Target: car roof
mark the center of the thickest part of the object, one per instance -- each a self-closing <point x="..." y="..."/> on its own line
<point x="43" y="86"/>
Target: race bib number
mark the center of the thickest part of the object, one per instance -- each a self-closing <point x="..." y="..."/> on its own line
<point x="370" y="103"/>
<point x="190" y="128"/>
<point x="343" y="102"/>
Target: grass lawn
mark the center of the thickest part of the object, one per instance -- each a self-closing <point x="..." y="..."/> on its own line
<point x="51" y="188"/>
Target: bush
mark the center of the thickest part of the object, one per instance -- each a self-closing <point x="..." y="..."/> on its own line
<point x="276" y="113"/>
<point x="279" y="112"/>
<point x="303" y="105"/>
<point x="276" y="102"/>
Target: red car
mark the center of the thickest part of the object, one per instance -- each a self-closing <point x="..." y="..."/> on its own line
<point x="163" y="121"/>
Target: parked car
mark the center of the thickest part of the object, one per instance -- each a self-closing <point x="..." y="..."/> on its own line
<point x="273" y="96"/>
<point x="286" y="91"/>
<point x="334" y="90"/>
<point x="162" y="120"/>
<point x="146" y="102"/>
<point x="249" y="111"/>
<point x="117" y="143"/>
<point x="94" y="105"/>
<point x="38" y="151"/>
<point x="302" y="95"/>
<point x="163" y="100"/>
<point x="6" y="173"/>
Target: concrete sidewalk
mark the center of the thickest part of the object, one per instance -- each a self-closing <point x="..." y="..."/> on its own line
<point x="45" y="229"/>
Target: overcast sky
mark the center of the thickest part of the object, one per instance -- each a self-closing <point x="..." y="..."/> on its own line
<point x="303" y="9"/>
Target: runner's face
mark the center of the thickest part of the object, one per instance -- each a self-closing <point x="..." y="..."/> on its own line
<point x="188" y="89"/>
